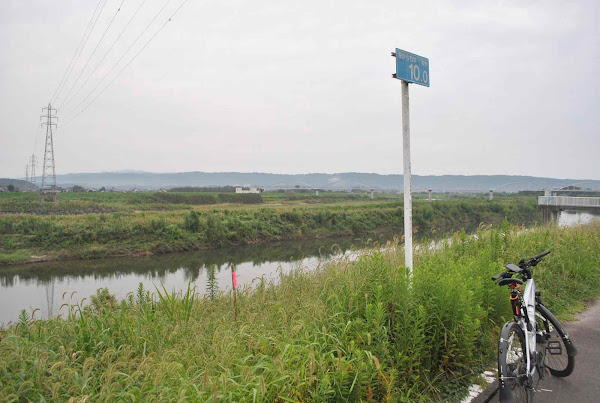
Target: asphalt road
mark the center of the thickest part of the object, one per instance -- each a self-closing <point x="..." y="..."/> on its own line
<point x="583" y="385"/>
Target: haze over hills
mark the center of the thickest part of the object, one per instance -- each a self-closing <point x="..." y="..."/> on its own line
<point x="17" y="183"/>
<point x="455" y="183"/>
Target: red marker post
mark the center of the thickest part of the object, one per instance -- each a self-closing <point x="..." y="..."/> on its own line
<point x="234" y="283"/>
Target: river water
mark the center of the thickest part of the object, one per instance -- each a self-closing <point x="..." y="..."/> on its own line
<point x="47" y="286"/>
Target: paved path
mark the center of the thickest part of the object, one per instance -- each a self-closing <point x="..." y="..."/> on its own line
<point x="583" y="385"/>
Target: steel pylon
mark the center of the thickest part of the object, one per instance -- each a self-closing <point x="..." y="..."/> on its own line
<point x="49" y="168"/>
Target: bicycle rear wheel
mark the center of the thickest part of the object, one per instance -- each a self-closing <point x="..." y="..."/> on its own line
<point x="560" y="352"/>
<point x="512" y="365"/>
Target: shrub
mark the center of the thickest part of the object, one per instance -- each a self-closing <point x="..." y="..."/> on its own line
<point x="191" y="222"/>
<point x="241" y="198"/>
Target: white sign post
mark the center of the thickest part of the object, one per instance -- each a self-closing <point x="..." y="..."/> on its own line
<point x="410" y="68"/>
<point x="408" y="248"/>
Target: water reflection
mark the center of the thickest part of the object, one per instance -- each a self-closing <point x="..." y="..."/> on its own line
<point x="47" y="286"/>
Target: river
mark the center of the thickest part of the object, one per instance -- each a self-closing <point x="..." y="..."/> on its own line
<point x="47" y="286"/>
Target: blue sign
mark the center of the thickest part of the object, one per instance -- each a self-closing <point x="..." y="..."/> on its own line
<point x="412" y="68"/>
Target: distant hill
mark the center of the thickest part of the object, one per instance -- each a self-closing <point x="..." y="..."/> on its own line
<point x="448" y="183"/>
<point x="17" y="183"/>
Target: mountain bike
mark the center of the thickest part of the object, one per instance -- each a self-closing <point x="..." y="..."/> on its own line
<point x="534" y="342"/>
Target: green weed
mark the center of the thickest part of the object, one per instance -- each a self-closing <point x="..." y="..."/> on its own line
<point x="346" y="331"/>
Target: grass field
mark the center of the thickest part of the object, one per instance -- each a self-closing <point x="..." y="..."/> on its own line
<point x="349" y="331"/>
<point x="91" y="202"/>
<point x="95" y="225"/>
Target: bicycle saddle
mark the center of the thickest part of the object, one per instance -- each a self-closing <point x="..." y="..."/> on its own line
<point x="506" y="281"/>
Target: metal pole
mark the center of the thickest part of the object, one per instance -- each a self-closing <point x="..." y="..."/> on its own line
<point x="408" y="255"/>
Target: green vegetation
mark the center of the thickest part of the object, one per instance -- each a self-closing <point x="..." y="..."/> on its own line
<point x="349" y="331"/>
<point x="100" y="202"/>
<point x="210" y="189"/>
<point x="131" y="228"/>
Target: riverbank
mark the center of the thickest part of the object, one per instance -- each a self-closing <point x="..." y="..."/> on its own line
<point x="33" y="238"/>
<point x="347" y="331"/>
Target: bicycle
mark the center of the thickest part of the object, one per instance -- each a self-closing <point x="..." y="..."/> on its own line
<point x="534" y="341"/>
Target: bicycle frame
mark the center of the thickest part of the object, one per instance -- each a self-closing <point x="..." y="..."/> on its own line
<point x="529" y="302"/>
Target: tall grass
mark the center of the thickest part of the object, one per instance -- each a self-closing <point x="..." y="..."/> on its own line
<point x="347" y="331"/>
<point x="87" y="236"/>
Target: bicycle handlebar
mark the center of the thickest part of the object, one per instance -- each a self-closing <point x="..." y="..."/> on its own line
<point x="522" y="268"/>
<point x="541" y="255"/>
<point x="534" y="260"/>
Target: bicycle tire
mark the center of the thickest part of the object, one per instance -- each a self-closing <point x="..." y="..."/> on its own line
<point x="560" y="351"/>
<point x="512" y="366"/>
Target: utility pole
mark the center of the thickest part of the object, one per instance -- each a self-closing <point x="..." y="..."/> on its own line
<point x="27" y="172"/>
<point x="48" y="168"/>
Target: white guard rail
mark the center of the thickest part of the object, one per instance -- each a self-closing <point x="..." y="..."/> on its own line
<point x="568" y="201"/>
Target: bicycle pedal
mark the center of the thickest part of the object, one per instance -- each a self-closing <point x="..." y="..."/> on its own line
<point x="554" y="348"/>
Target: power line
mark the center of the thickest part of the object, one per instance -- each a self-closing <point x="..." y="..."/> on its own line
<point x="106" y="54"/>
<point x="80" y="50"/>
<point x="118" y="61"/>
<point x="70" y="113"/>
<point x="76" y="50"/>
<point x="134" y="57"/>
<point x="92" y="55"/>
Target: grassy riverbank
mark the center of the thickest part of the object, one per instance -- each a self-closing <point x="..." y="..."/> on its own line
<point x="349" y="331"/>
<point x="31" y="237"/>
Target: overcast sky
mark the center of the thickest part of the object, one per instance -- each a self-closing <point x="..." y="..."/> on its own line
<point x="305" y="86"/>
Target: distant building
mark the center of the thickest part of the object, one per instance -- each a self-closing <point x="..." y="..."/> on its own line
<point x="248" y="190"/>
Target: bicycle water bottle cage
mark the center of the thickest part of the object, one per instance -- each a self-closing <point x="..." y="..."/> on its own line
<point x="507" y="281"/>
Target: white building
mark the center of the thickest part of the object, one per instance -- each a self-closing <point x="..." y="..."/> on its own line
<point x="248" y="190"/>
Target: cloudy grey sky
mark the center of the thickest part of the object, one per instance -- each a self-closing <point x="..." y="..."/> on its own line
<point x="305" y="86"/>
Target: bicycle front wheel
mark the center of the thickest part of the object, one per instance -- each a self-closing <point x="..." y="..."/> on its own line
<point x="560" y="352"/>
<point x="512" y="365"/>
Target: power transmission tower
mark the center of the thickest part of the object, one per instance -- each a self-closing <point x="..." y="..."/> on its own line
<point x="32" y="178"/>
<point x="48" y="169"/>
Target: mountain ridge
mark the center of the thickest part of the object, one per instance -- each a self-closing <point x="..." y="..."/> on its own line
<point x="129" y="179"/>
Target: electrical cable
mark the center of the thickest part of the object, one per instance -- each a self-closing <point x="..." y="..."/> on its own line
<point x="81" y="50"/>
<point x="70" y="113"/>
<point x="118" y="61"/>
<point x="127" y="65"/>
<point x="92" y="55"/>
<point x="104" y="57"/>
<point x="76" y="50"/>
